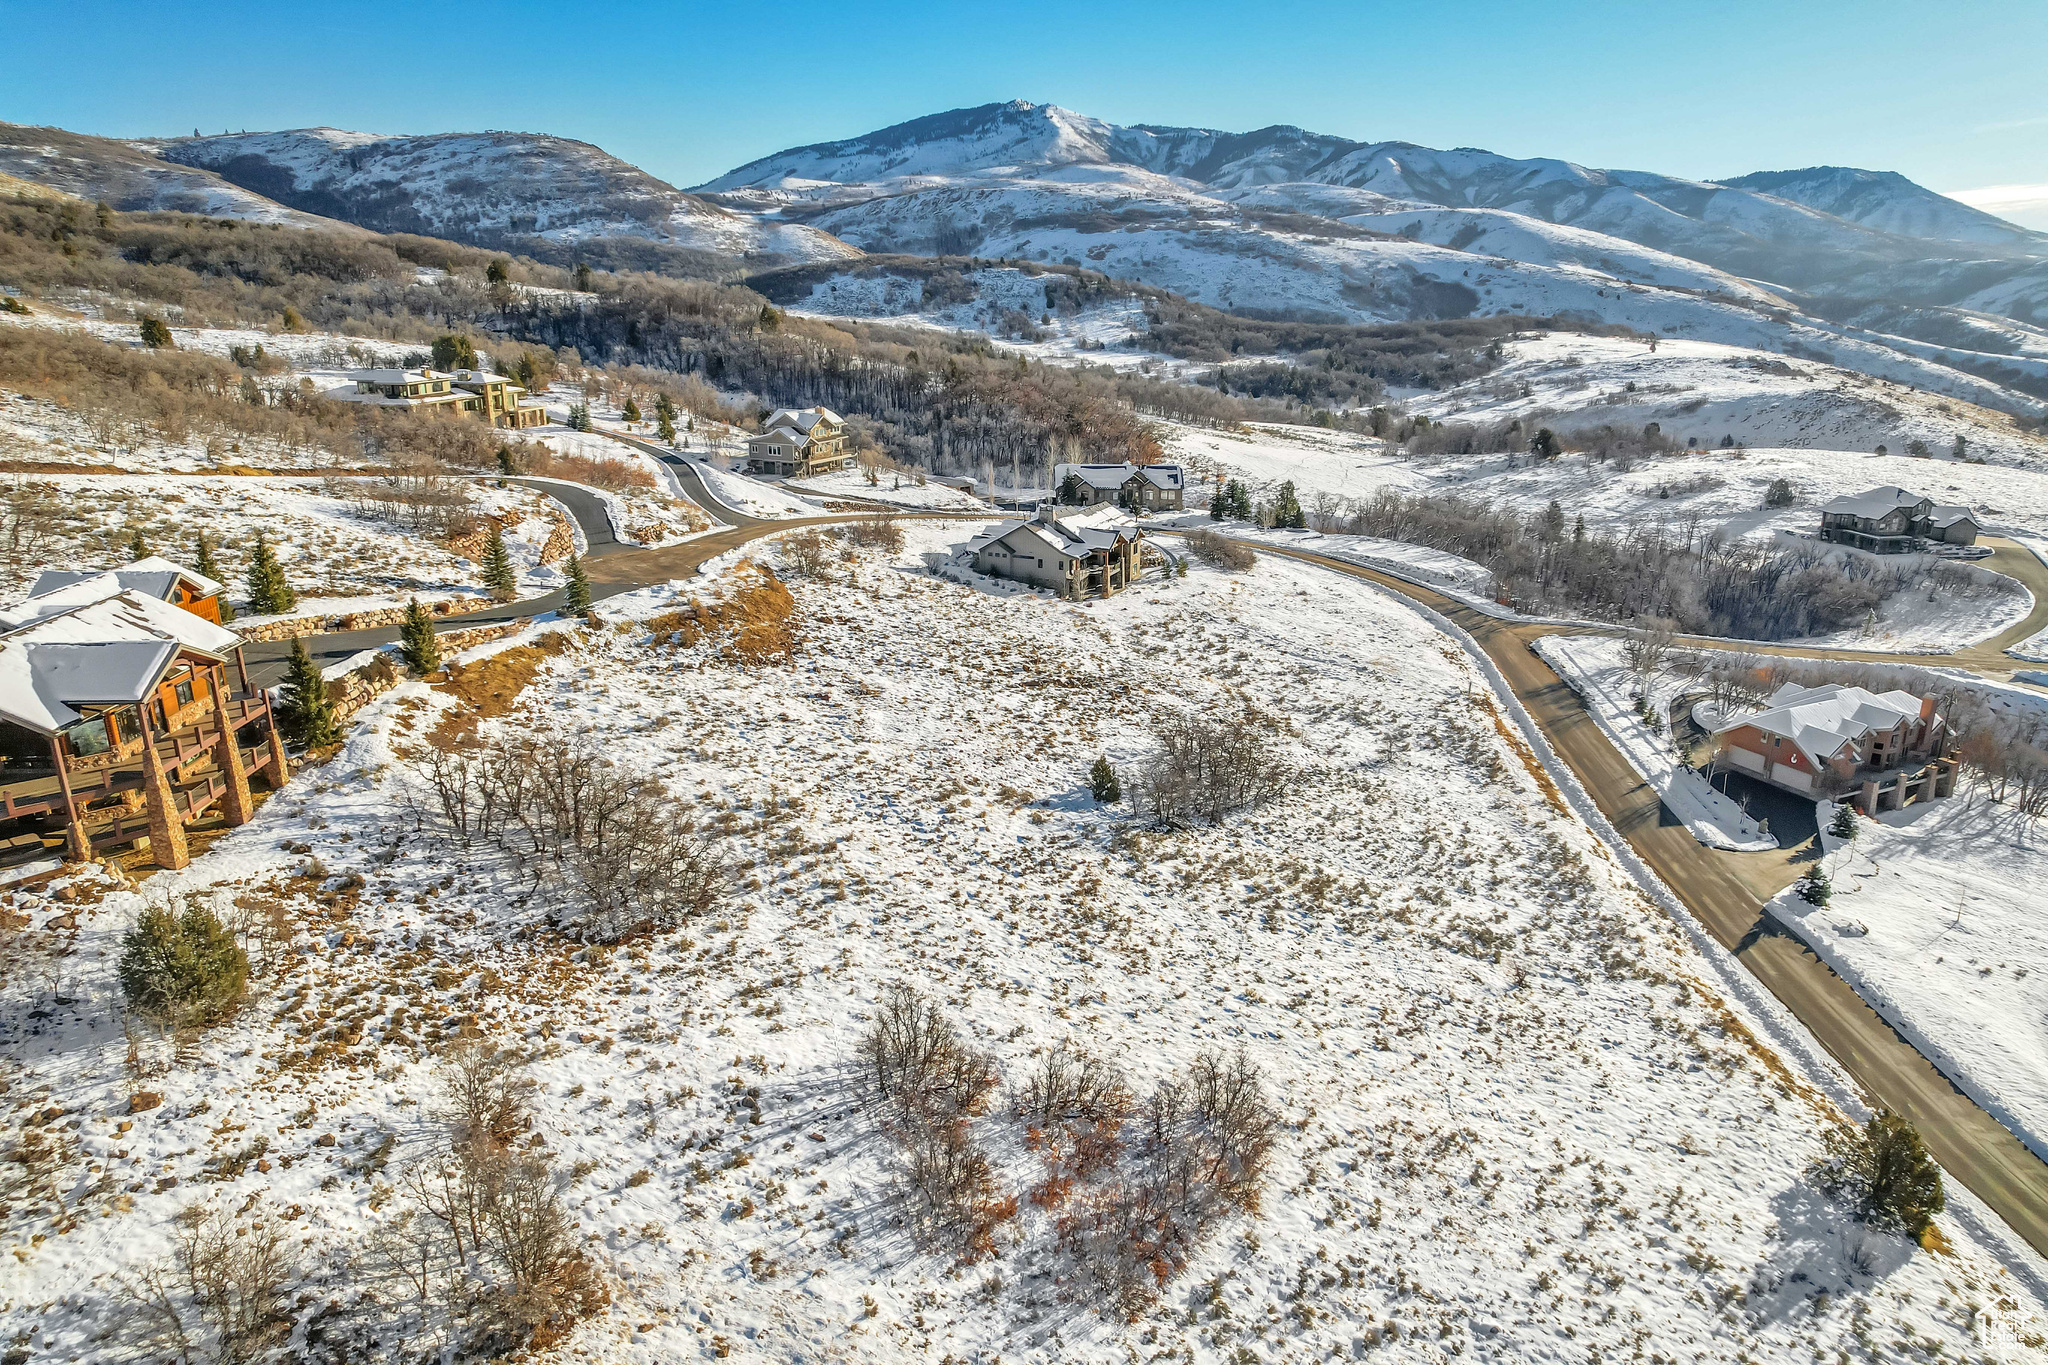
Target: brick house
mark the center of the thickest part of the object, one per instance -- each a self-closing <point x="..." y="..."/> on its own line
<point x="1829" y="740"/>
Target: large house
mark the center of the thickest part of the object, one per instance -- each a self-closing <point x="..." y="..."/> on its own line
<point x="125" y="714"/>
<point x="1832" y="739"/>
<point x="1137" y="487"/>
<point x="1890" y="521"/>
<point x="799" y="442"/>
<point x="1073" y="558"/>
<point x="489" y="397"/>
<point x="59" y="589"/>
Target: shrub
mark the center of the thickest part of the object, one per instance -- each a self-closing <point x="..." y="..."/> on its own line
<point x="1221" y="551"/>
<point x="1102" y="783"/>
<point x="1779" y="494"/>
<point x="1814" y="887"/>
<point x="885" y="534"/>
<point x="183" y="969"/>
<point x="1206" y="767"/>
<point x="1844" y="824"/>
<point x="807" y="554"/>
<point x="1884" y="1171"/>
<point x="156" y="335"/>
<point x="914" y="1062"/>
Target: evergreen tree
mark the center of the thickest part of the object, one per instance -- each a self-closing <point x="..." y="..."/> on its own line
<point x="666" y="429"/>
<point x="290" y="321"/>
<point x="664" y="406"/>
<point x="1102" y="782"/>
<point x="1552" y="529"/>
<point x="497" y="272"/>
<point x="499" y="575"/>
<point x="1287" y="513"/>
<point x="1240" y="500"/>
<point x="307" y="713"/>
<point x="417" y="641"/>
<point x="582" y="278"/>
<point x="631" y="412"/>
<point x="1884" y="1168"/>
<point x="576" y="593"/>
<point x="270" y="594"/>
<point x="156" y="335"/>
<point x="505" y="462"/>
<point x="579" y="417"/>
<point x="1544" y="445"/>
<point x="1844" y="823"/>
<point x="138" y="548"/>
<point x="182" y="968"/>
<point x="1814" y="887"/>
<point x="454" y="352"/>
<point x="202" y="556"/>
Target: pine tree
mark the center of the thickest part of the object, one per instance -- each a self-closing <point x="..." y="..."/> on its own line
<point x="417" y="641"/>
<point x="499" y="575"/>
<point x="1814" y="887"/>
<point x="269" y="592"/>
<point x="307" y="712"/>
<point x="1545" y="445"/>
<point x="666" y="429"/>
<point x="576" y="595"/>
<point x="631" y="412"/>
<point x="1102" y="782"/>
<point x="1844" y="825"/>
<point x="664" y="406"/>
<point x="156" y="335"/>
<point x="202" y="557"/>
<point x="505" y="461"/>
<point x="1287" y="513"/>
<point x="138" y="548"/>
<point x="1885" y="1169"/>
<point x="582" y="278"/>
<point x="497" y="272"/>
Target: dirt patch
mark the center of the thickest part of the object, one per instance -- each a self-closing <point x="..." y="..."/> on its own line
<point x="756" y="620"/>
<point x="489" y="687"/>
<point x="1537" y="772"/>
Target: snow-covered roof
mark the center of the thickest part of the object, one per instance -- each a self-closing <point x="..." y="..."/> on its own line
<point x="58" y="589"/>
<point x="109" y="651"/>
<point x="1112" y="476"/>
<point x="1061" y="535"/>
<point x="803" y="419"/>
<point x="393" y="376"/>
<point x="784" y="434"/>
<point x="1873" y="503"/>
<point x="1820" y="720"/>
<point x="1942" y="517"/>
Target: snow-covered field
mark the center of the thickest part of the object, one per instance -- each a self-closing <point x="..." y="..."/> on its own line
<point x="1937" y="920"/>
<point x="755" y="497"/>
<point x="1518" y="1121"/>
<point x="1597" y="669"/>
<point x="326" y="549"/>
<point x="896" y="488"/>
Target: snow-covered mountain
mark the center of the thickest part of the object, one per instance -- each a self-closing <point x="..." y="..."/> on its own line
<point x="523" y="190"/>
<point x="1889" y="202"/>
<point x="103" y="170"/>
<point x="1286" y="221"/>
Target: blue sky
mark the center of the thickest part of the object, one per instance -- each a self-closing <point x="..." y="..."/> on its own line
<point x="1951" y="95"/>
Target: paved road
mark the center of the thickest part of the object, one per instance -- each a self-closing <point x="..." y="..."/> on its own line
<point x="1726" y="892"/>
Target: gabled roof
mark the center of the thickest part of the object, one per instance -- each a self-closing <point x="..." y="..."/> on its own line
<point x="1943" y="517"/>
<point x="1873" y="503"/>
<point x="803" y="419"/>
<point x="1108" y="477"/>
<point x="109" y="651"/>
<point x="1060" y="535"/>
<point x="1820" y="720"/>
<point x="60" y="589"/>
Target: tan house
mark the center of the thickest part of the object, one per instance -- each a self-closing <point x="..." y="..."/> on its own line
<point x="124" y="718"/>
<point x="799" y="442"/>
<point x="1136" y="487"/>
<point x="1833" y="740"/>
<point x="469" y="393"/>
<point x="1071" y="558"/>
<point x="1888" y="520"/>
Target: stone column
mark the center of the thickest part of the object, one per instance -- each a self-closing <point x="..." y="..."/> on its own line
<point x="236" y="805"/>
<point x="166" y="829"/>
<point x="280" y="766"/>
<point x="1869" y="798"/>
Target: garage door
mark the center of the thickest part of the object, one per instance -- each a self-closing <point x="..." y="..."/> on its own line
<point x="1745" y="758"/>
<point x="1791" y="777"/>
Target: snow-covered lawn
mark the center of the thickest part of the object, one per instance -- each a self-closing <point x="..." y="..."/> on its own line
<point x="755" y="497"/>
<point x="1516" y="1110"/>
<point x="897" y="489"/>
<point x="326" y="548"/>
<point x="1597" y="669"/>
<point x="1939" y="920"/>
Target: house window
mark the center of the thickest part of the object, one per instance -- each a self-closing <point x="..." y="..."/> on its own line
<point x="184" y="692"/>
<point x="89" y="737"/>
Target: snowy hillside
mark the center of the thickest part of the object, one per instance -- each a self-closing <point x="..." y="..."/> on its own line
<point x="486" y="188"/>
<point x="1889" y="202"/>
<point x="103" y="170"/>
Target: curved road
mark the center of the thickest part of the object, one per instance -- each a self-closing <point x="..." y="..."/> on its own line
<point x="1725" y="891"/>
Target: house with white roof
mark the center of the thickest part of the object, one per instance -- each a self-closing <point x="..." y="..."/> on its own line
<point x="1890" y="520"/>
<point x="493" y="398"/>
<point x="1832" y="739"/>
<point x="59" y="589"/>
<point x="799" y="442"/>
<point x="119" y="718"/>
<point x="1138" y="487"/>
<point x="1077" y="557"/>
